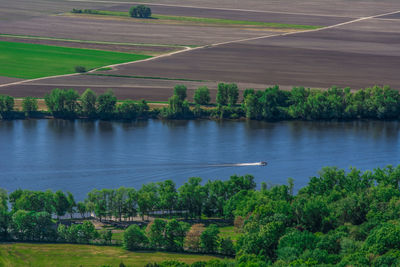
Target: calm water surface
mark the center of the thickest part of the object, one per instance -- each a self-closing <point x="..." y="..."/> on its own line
<point x="78" y="156"/>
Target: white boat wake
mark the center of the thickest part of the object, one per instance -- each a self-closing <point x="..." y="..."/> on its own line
<point x="260" y="163"/>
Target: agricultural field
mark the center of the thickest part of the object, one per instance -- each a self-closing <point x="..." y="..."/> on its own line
<point x="29" y="61"/>
<point x="21" y="254"/>
<point x="254" y="44"/>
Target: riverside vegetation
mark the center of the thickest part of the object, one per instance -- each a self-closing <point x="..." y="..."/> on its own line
<point x="338" y="219"/>
<point x="271" y="104"/>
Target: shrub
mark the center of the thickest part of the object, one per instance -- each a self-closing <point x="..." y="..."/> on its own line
<point x="192" y="240"/>
<point x="127" y="110"/>
<point x="74" y="10"/>
<point x="383" y="238"/>
<point x="140" y="11"/>
<point x="173" y="263"/>
<point x="226" y="247"/>
<point x="29" y="105"/>
<point x="106" y="236"/>
<point x="80" y="69"/>
<point x="134" y="238"/>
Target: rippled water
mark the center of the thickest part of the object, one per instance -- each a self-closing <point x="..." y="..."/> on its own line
<point x="78" y="156"/>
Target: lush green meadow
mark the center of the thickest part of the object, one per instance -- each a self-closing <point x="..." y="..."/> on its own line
<point x="29" y="61"/>
<point x="31" y="254"/>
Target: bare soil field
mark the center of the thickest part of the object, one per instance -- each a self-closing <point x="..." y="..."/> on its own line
<point x="334" y="8"/>
<point x="239" y="15"/>
<point x="124" y="88"/>
<point x="275" y="65"/>
<point x="364" y="37"/>
<point x="360" y="54"/>
<point x="5" y="80"/>
<point x="123" y="30"/>
<point x="392" y="16"/>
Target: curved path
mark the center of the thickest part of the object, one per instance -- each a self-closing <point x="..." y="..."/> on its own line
<point x="188" y="49"/>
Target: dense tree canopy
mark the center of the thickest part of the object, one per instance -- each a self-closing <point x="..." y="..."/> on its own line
<point x="340" y="218"/>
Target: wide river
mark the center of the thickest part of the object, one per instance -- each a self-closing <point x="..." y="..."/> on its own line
<point x="79" y="156"/>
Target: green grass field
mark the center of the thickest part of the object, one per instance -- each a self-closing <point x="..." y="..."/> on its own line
<point x="229" y="231"/>
<point x="29" y="61"/>
<point x="211" y="21"/>
<point x="38" y="255"/>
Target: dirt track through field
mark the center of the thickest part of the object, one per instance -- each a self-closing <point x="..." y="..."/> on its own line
<point x="256" y="60"/>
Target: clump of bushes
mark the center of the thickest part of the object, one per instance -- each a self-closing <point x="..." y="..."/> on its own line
<point x="85" y="11"/>
<point x="80" y="69"/>
<point x="140" y="11"/>
<point x="29" y="105"/>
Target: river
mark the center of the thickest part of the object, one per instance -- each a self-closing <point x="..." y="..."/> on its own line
<point x="78" y="156"/>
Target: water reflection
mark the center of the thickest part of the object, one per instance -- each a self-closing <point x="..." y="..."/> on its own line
<point x="80" y="155"/>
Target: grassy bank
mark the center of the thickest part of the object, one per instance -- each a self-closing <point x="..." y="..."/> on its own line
<point x="27" y="254"/>
<point x="156" y="18"/>
<point x="29" y="61"/>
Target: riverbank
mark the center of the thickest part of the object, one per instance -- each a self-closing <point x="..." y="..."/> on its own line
<point x="272" y="104"/>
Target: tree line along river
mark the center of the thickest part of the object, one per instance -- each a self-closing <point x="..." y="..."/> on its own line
<point x="78" y="156"/>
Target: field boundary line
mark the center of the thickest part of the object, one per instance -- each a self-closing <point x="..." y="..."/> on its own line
<point x="305" y="31"/>
<point x="101" y="86"/>
<point x="32" y="37"/>
<point x="213" y="8"/>
<point x="187" y="48"/>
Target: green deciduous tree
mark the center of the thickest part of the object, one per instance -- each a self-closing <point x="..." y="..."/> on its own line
<point x="128" y="110"/>
<point x="156" y="234"/>
<point x="62" y="103"/>
<point x="383" y="238"/>
<point x="61" y="203"/>
<point x="222" y="94"/>
<point x="191" y="195"/>
<point x="180" y="91"/>
<point x="210" y="239"/>
<point x="32" y="226"/>
<point x="78" y="233"/>
<point x="81" y="207"/>
<point x="168" y="195"/>
<point x="71" y="204"/>
<point x="88" y="103"/>
<point x="4" y="215"/>
<point x="134" y="238"/>
<point x="175" y="233"/>
<point x="6" y="106"/>
<point x="147" y="198"/>
<point x="29" y="105"/>
<point x="202" y="96"/>
<point x="233" y="94"/>
<point x="226" y="247"/>
<point x="106" y="104"/>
